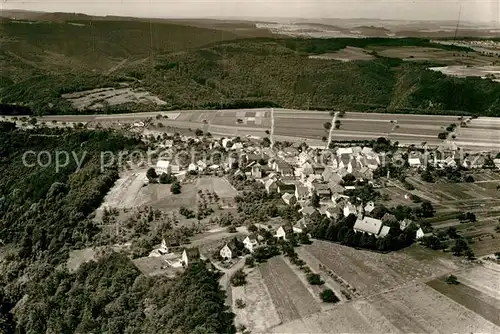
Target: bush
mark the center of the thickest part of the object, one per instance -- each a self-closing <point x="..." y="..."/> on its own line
<point x="167" y="178"/>
<point x="175" y="188"/>
<point x="328" y="296"/>
<point x="240" y="303"/>
<point x="231" y="229"/>
<point x="452" y="280"/>
<point x="443" y="135"/>
<point x="314" y="279"/>
<point x="239" y="278"/>
<point x="250" y="261"/>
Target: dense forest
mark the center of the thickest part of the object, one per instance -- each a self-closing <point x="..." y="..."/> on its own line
<point x="44" y="213"/>
<point x="191" y="67"/>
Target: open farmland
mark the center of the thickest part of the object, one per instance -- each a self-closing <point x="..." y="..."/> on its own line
<point x="416" y="308"/>
<point x="482" y="133"/>
<point x="412" y="53"/>
<point x="407" y="129"/>
<point x="347" y="54"/>
<point x="371" y="273"/>
<point x="291" y="298"/>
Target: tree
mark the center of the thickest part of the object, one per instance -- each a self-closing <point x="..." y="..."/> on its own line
<point x="427" y="209"/>
<point x="327" y="125"/>
<point x="198" y="132"/>
<point x="250" y="261"/>
<point x="469" y="179"/>
<point x="151" y="174"/>
<point x="443" y="135"/>
<point x="175" y="188"/>
<point x="328" y="296"/>
<point x="239" y="278"/>
<point x="459" y="247"/>
<point x="314" y="279"/>
<point x="166" y="178"/>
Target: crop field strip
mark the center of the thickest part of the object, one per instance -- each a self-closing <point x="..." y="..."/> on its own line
<point x="370" y="272"/>
<point x="471" y="298"/>
<point x="290" y="296"/>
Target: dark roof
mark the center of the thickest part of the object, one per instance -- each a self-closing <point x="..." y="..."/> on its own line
<point x="287" y="228"/>
<point x="192" y="253"/>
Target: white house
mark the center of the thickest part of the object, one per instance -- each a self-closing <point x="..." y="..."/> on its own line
<point x="201" y="165"/>
<point x="228" y="251"/>
<point x="192" y="167"/>
<point x="415" y="162"/>
<point x="250" y="242"/>
<point x="420" y="233"/>
<point x="368" y="225"/>
<point x="369" y="207"/>
<point x="301" y="193"/>
<point x="163" y="166"/>
<point x="344" y="150"/>
<point x="350" y="209"/>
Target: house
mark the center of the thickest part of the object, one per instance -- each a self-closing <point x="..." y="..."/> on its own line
<point x="322" y="190"/>
<point x="250" y="242"/>
<point x="201" y="165"/>
<point x="368" y="225"/>
<point x="389" y="218"/>
<point x="306" y="169"/>
<point x="415" y="162"/>
<point x="307" y="210"/>
<point x="271" y="186"/>
<point x="303" y="157"/>
<point x="331" y="212"/>
<point x="163" y="166"/>
<point x="288" y="198"/>
<point x="497" y="163"/>
<point x="300" y="226"/>
<point x="283" y="232"/>
<point x="228" y="251"/>
<point x="192" y="167"/>
<point x="318" y="169"/>
<point x="283" y="167"/>
<point x="286" y="188"/>
<point x="350" y="209"/>
<point x="237" y="146"/>
<point x="403" y="225"/>
<point x="301" y="193"/>
<point x="163" y="250"/>
<point x="344" y="150"/>
<point x="226" y="142"/>
<point x="365" y="173"/>
<point x="384" y="231"/>
<point x="330" y="175"/>
<point x="190" y="255"/>
<point x="344" y="160"/>
<point x="420" y="234"/>
<point x="369" y="207"/>
<point x="257" y="171"/>
<point x="336" y="188"/>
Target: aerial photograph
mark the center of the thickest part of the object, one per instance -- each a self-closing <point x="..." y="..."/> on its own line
<point x="243" y="166"/>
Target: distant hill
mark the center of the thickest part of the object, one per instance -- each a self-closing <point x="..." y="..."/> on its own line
<point x="213" y="64"/>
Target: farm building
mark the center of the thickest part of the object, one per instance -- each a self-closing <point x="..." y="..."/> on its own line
<point x="415" y="162"/>
<point x="286" y="188"/>
<point x="307" y="210"/>
<point x="257" y="171"/>
<point x="384" y="231"/>
<point x="283" y="232"/>
<point x="420" y="234"/>
<point x="250" y="242"/>
<point x="300" y="226"/>
<point x="282" y="167"/>
<point x="403" y="225"/>
<point x="368" y="225"/>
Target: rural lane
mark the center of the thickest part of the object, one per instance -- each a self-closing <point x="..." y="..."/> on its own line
<point x="331" y="130"/>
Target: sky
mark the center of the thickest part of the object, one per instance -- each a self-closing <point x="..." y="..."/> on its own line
<point x="485" y="11"/>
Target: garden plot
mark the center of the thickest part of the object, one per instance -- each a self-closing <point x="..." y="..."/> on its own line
<point x="259" y="314"/>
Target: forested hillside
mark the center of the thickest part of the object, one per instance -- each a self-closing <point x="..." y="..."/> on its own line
<point x="205" y="68"/>
<point x="45" y="213"/>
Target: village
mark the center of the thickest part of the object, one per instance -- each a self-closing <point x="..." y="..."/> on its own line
<point x="238" y="203"/>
